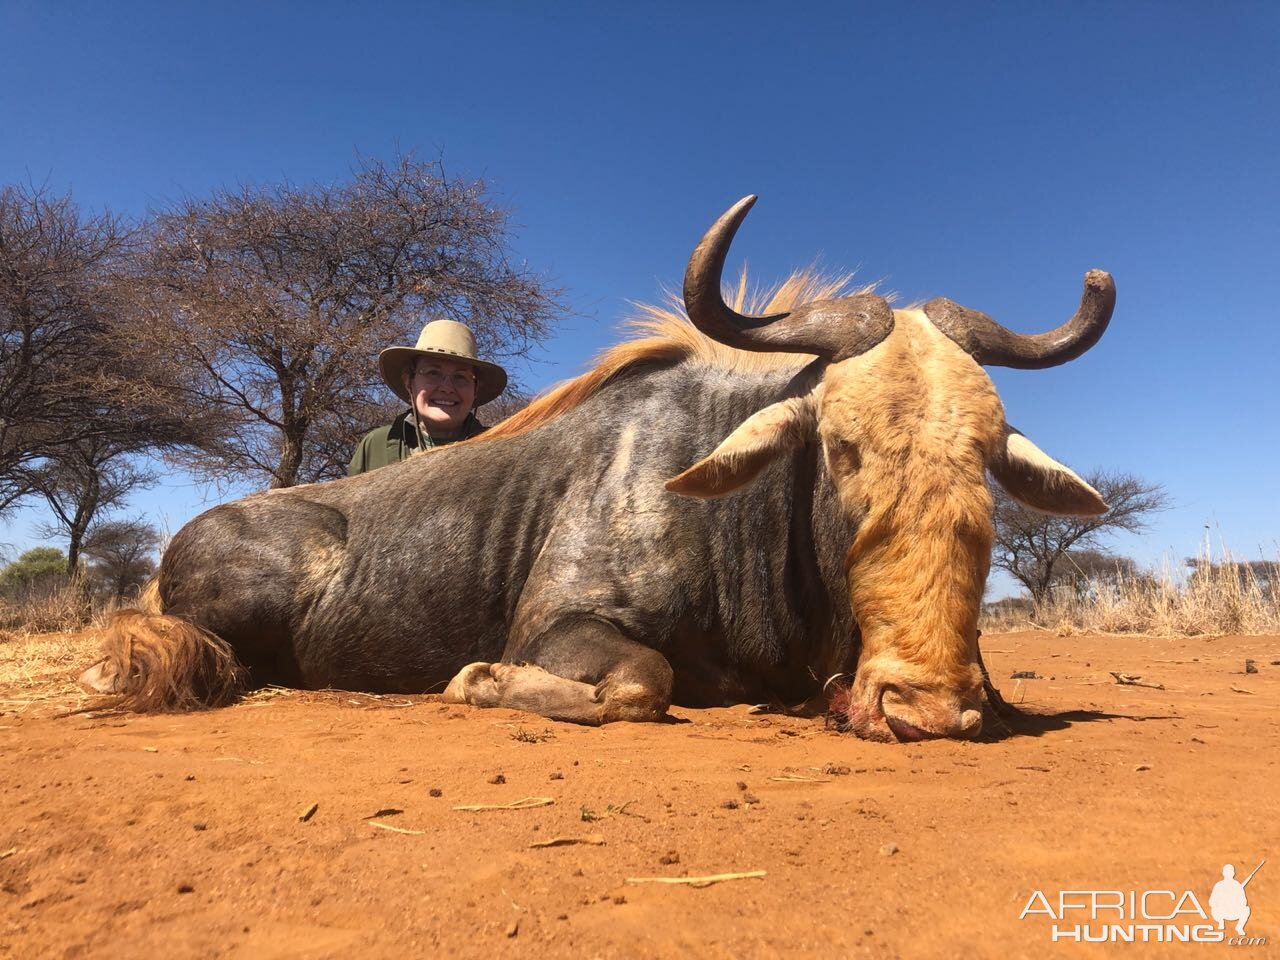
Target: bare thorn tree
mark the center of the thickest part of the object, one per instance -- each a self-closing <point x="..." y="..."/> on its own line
<point x="71" y="393"/>
<point x="54" y="318"/>
<point x="512" y="401"/>
<point x="1083" y="572"/>
<point x="273" y="302"/>
<point x="122" y="555"/>
<point x="83" y="480"/>
<point x="1033" y="547"/>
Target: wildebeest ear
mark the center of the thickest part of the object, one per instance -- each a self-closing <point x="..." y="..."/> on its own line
<point x="1035" y="479"/>
<point x="762" y="438"/>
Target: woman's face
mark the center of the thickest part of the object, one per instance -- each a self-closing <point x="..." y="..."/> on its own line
<point x="443" y="391"/>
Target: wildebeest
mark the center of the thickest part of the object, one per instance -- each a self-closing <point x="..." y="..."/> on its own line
<point x="708" y="518"/>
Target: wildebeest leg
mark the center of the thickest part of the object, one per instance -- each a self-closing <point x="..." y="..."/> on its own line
<point x="584" y="671"/>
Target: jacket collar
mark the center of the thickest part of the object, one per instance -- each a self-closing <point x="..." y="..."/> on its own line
<point x="409" y="431"/>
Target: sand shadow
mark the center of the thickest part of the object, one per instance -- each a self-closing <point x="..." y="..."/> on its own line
<point x="1008" y="721"/>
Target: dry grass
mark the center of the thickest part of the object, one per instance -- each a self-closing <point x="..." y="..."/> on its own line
<point x="45" y="644"/>
<point x="1222" y="599"/>
<point x="62" y="610"/>
<point x="38" y="670"/>
<point x="68" y="609"/>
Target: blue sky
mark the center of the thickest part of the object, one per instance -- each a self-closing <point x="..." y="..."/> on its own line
<point x="991" y="153"/>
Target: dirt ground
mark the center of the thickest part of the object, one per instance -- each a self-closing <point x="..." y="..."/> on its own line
<point x="185" y="836"/>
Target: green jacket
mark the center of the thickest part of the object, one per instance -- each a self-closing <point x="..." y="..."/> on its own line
<point x="400" y="440"/>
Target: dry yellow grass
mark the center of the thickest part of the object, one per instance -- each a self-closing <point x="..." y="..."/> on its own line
<point x="45" y="644"/>
<point x="38" y="670"/>
<point x="62" y="610"/>
<point x="1221" y="599"/>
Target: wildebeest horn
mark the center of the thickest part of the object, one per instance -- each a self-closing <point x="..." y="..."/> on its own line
<point x="997" y="346"/>
<point x="832" y="329"/>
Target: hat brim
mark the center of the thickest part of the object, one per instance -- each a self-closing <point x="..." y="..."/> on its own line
<point x="491" y="379"/>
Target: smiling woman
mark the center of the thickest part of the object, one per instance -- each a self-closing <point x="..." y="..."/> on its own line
<point x="443" y="381"/>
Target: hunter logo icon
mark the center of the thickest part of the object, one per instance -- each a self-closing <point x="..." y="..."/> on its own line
<point x="1159" y="914"/>
<point x="1228" y="901"/>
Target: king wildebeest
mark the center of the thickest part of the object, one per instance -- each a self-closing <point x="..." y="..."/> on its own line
<point x="705" y="518"/>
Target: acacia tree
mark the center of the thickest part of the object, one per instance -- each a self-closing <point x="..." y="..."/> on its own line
<point x="1032" y="547"/>
<point x="273" y="302"/>
<point x="54" y="317"/>
<point x="71" y="392"/>
<point x="83" y="480"/>
<point x="121" y="554"/>
<point x="1083" y="571"/>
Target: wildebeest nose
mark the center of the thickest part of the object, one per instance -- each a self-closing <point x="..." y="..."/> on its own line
<point x="915" y="715"/>
<point x="970" y="724"/>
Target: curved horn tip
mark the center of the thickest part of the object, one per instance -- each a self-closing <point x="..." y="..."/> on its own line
<point x="738" y="212"/>
<point x="1099" y="280"/>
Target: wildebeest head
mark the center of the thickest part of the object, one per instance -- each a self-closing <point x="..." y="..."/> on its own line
<point x="909" y="425"/>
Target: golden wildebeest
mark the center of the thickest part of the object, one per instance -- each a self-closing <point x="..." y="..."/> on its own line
<point x="571" y="562"/>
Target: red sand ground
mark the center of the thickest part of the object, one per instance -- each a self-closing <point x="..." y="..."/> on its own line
<point x="179" y="836"/>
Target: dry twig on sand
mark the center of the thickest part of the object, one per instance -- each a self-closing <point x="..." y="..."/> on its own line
<point x="589" y="815"/>
<point x="699" y="881"/>
<point x="1130" y="680"/>
<point x="522" y="804"/>
<point x="792" y="778"/>
<point x="591" y="839"/>
<point x="387" y="826"/>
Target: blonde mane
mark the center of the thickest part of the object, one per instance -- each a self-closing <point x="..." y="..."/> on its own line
<point x="663" y="333"/>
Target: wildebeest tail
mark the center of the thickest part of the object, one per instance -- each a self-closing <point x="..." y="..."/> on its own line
<point x="155" y="661"/>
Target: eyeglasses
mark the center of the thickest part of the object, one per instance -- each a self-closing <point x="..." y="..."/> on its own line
<point x="434" y="377"/>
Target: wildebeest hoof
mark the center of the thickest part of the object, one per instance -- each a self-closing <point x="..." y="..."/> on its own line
<point x="524" y="686"/>
<point x="474" y="684"/>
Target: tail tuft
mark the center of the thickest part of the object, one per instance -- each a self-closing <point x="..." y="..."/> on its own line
<point x="160" y="662"/>
<point x="149" y="597"/>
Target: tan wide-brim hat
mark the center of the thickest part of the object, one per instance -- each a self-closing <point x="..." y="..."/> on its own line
<point x="448" y="339"/>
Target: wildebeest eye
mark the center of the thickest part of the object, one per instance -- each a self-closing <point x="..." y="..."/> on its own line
<point x="842" y="453"/>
